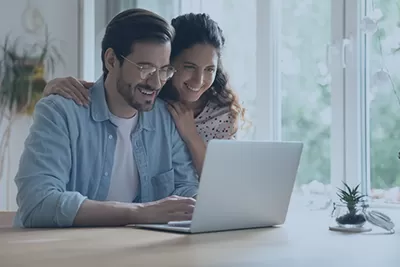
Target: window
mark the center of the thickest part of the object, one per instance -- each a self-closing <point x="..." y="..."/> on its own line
<point x="339" y="89"/>
<point x="282" y="73"/>
<point x="305" y="85"/>
<point x="381" y="87"/>
<point x="316" y="77"/>
<point x="169" y="11"/>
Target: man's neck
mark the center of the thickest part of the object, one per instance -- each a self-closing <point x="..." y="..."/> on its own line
<point x="115" y="102"/>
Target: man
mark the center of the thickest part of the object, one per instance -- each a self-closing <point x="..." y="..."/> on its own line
<point x="85" y="167"/>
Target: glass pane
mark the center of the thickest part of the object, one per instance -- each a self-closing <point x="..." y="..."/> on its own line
<point x="239" y="56"/>
<point x="306" y="93"/>
<point x="167" y="9"/>
<point x="382" y="58"/>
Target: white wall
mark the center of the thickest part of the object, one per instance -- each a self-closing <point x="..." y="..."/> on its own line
<point x="62" y="18"/>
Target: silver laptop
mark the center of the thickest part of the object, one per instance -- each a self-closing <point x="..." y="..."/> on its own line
<point x="244" y="184"/>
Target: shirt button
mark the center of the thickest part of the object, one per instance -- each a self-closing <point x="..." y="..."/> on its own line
<point x="110" y="137"/>
<point x="106" y="173"/>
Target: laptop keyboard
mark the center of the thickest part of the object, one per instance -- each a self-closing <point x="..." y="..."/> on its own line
<point x="180" y="223"/>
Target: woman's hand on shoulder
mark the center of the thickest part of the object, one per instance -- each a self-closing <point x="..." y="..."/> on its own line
<point x="184" y="119"/>
<point x="71" y="88"/>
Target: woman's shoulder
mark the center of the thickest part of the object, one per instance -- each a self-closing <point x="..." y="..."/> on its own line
<point x="215" y="122"/>
<point x="214" y="112"/>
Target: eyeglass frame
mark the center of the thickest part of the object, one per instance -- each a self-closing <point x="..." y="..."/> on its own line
<point x="140" y="68"/>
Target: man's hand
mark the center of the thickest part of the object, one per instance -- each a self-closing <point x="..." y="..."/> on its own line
<point x="107" y="213"/>
<point x="174" y="208"/>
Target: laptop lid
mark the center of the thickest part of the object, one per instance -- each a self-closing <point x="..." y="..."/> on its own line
<point x="245" y="184"/>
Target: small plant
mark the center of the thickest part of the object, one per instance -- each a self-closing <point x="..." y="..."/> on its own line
<point x="351" y="197"/>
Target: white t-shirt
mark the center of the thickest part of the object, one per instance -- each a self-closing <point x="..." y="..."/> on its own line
<point x="125" y="177"/>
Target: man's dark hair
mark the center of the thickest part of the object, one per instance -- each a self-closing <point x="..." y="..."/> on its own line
<point x="132" y="26"/>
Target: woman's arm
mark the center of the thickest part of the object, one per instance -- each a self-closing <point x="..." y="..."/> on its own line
<point x="185" y="123"/>
<point x="70" y="88"/>
<point x="197" y="148"/>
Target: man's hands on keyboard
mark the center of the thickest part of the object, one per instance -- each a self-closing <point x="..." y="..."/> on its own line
<point x="170" y="209"/>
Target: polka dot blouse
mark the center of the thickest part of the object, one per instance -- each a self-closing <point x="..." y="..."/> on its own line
<point x="215" y="123"/>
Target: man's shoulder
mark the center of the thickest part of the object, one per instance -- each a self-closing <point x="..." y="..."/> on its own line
<point x="160" y="106"/>
<point x="159" y="117"/>
<point x="56" y="107"/>
<point x="60" y="104"/>
<point x="159" y="110"/>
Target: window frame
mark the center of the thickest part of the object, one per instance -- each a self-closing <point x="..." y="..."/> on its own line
<point x="345" y="164"/>
<point x="353" y="111"/>
<point x="268" y="80"/>
<point x="87" y="33"/>
<point x="357" y="85"/>
<point x="348" y="65"/>
<point x="339" y="150"/>
<point x="356" y="138"/>
<point x="357" y="113"/>
<point x="346" y="58"/>
<point x="336" y="53"/>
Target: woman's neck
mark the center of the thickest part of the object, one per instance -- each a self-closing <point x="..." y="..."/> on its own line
<point x="197" y="106"/>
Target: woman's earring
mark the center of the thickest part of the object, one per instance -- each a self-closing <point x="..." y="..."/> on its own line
<point x="213" y="91"/>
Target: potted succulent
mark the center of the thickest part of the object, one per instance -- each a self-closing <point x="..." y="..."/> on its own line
<point x="351" y="212"/>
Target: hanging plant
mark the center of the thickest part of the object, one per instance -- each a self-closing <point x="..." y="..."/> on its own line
<point x="22" y="71"/>
<point x="22" y="79"/>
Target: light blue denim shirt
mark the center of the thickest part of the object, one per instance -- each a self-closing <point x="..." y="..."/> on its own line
<point x="69" y="155"/>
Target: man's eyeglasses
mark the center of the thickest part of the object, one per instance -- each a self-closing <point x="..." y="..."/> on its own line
<point x="146" y="70"/>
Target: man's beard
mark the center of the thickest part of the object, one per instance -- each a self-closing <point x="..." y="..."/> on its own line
<point x="134" y="98"/>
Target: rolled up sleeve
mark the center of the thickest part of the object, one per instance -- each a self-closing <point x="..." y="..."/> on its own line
<point x="186" y="179"/>
<point x="44" y="171"/>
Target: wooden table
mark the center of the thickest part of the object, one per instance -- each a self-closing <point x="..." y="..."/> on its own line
<point x="302" y="241"/>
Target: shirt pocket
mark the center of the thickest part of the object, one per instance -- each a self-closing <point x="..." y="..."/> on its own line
<point x="163" y="184"/>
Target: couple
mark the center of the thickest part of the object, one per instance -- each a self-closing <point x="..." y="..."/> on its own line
<point x="128" y="152"/>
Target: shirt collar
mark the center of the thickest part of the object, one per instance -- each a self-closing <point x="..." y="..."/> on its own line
<point x="100" y="111"/>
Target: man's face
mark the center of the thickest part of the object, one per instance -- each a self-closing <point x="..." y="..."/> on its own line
<point x="143" y="73"/>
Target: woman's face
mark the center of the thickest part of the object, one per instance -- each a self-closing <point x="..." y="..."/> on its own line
<point x="196" y="68"/>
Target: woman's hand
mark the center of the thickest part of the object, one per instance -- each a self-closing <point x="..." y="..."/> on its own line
<point x="185" y="123"/>
<point x="184" y="120"/>
<point x="70" y="88"/>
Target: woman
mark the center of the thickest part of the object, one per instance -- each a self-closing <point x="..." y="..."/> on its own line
<point x="200" y="99"/>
